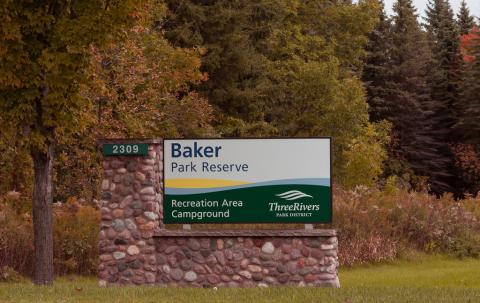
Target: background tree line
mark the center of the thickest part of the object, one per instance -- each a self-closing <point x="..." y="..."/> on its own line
<point x="423" y="77"/>
<point x="306" y="68"/>
<point x="194" y="68"/>
<point x="399" y="97"/>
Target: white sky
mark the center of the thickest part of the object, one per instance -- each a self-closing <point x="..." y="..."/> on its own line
<point x="421" y="5"/>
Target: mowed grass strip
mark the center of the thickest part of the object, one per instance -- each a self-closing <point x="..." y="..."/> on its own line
<point x="434" y="279"/>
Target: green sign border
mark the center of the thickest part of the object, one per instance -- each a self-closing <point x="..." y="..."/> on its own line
<point x="125" y="149"/>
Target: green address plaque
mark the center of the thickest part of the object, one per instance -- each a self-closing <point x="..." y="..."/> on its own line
<point x="125" y="149"/>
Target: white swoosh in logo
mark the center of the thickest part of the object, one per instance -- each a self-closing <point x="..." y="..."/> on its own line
<point x="293" y="195"/>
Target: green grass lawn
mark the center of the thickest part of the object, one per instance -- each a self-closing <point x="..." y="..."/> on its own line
<point x="434" y="279"/>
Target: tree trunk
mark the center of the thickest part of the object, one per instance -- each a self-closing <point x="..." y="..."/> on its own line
<point x="42" y="214"/>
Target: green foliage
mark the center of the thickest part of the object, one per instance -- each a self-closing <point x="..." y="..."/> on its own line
<point x="322" y="97"/>
<point x="365" y="157"/>
<point x="444" y="79"/>
<point x="391" y="186"/>
<point x="44" y="54"/>
<point x="465" y="245"/>
<point x="235" y="69"/>
<point x="396" y="75"/>
<point x="282" y="68"/>
<point x="414" y="80"/>
<point x="411" y="96"/>
<point x="376" y="70"/>
<point x="137" y="88"/>
<point x="78" y="162"/>
<point x="318" y="101"/>
<point x="264" y="60"/>
<point x="343" y="26"/>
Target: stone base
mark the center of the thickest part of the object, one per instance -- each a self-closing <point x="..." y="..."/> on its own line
<point x="243" y="258"/>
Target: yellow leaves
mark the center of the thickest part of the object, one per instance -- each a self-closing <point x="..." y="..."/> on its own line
<point x="365" y="155"/>
<point x="44" y="54"/>
<point x="10" y="80"/>
<point x="146" y="12"/>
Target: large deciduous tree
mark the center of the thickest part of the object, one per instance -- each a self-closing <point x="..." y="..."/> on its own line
<point x="141" y="88"/>
<point x="313" y="89"/>
<point x="44" y="53"/>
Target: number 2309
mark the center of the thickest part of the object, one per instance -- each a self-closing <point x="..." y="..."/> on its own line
<point x="125" y="149"/>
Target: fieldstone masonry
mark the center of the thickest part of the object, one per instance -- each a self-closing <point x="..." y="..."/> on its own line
<point x="135" y="247"/>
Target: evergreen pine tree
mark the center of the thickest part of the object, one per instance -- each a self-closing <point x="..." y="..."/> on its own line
<point x="236" y="70"/>
<point x="377" y="76"/>
<point x="398" y="89"/>
<point x="376" y="67"/>
<point x="468" y="125"/>
<point x="465" y="21"/>
<point x="469" y="122"/>
<point x="443" y="79"/>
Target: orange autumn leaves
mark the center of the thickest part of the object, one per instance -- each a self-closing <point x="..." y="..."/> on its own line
<point x="467" y="42"/>
<point x="143" y="87"/>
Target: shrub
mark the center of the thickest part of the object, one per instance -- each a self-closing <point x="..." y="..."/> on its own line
<point x="365" y="156"/>
<point x="377" y="225"/>
<point x="374" y="226"/>
<point x="467" y="161"/>
<point x="16" y="240"/>
<point x="76" y="228"/>
<point x="371" y="248"/>
<point x="8" y="274"/>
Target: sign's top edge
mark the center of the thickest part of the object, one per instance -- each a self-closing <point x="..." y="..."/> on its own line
<point x="254" y="138"/>
<point x="102" y="141"/>
<point x="129" y="140"/>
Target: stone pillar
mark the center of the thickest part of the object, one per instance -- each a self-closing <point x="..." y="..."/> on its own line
<point x="131" y="197"/>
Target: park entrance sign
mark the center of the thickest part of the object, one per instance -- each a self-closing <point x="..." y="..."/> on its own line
<point x="148" y="183"/>
<point x="247" y="180"/>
